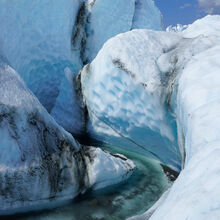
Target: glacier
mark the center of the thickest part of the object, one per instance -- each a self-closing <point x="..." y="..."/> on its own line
<point x="194" y="195"/>
<point x="157" y="93"/>
<point x="40" y="163"/>
<point x="148" y="91"/>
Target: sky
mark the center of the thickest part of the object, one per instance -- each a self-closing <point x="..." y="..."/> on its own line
<point x="186" y="11"/>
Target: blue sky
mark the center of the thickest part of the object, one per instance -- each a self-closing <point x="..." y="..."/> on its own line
<point x="180" y="11"/>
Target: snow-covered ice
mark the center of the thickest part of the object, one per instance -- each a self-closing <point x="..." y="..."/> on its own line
<point x="117" y="168"/>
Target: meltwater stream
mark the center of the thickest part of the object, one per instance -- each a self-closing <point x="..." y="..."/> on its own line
<point x="118" y="202"/>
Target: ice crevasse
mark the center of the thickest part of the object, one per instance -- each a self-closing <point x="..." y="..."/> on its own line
<point x="160" y="92"/>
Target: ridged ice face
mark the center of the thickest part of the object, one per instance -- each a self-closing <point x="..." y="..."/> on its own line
<point x="126" y="95"/>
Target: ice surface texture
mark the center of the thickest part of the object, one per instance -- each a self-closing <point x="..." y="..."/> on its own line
<point x="96" y="22"/>
<point x="40" y="163"/>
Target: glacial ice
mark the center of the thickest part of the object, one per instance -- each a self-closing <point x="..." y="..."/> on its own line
<point x="147" y="16"/>
<point x="37" y="39"/>
<point x="40" y="163"/>
<point x="177" y="28"/>
<point x="142" y="87"/>
<point x="42" y="38"/>
<point x="195" y="102"/>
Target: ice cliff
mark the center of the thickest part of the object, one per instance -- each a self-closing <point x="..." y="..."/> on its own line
<point x="106" y="20"/>
<point x="35" y="38"/>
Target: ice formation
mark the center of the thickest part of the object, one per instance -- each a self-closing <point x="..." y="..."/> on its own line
<point x="137" y="82"/>
<point x="177" y="28"/>
<point x="153" y="92"/>
<point x="40" y="163"/>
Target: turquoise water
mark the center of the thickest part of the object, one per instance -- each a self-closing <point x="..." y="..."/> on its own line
<point x="118" y="202"/>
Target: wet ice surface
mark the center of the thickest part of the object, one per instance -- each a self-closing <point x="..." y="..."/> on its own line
<point x="130" y="198"/>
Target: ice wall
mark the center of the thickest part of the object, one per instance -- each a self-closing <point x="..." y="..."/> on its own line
<point x="97" y="21"/>
<point x="43" y="38"/>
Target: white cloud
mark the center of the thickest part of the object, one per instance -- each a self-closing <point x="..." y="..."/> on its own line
<point x="210" y="6"/>
<point x="185" y="6"/>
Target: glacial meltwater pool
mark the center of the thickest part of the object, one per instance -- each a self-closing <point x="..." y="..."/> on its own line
<point x="119" y="202"/>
